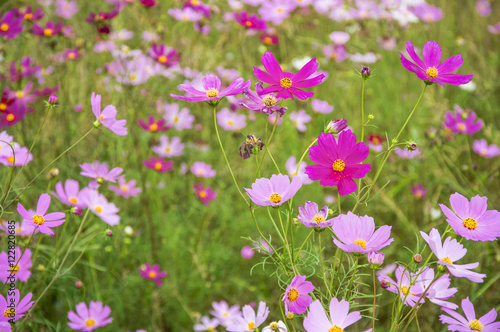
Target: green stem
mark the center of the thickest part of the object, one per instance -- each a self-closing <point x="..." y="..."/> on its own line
<point x="374" y="301"/>
<point x="352" y="278"/>
<point x="362" y="125"/>
<point x="338" y="270"/>
<point x="286" y="241"/>
<point x="322" y="266"/>
<point x="267" y="144"/>
<point x="303" y="243"/>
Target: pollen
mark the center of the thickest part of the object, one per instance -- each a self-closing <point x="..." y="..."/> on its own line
<point x="152" y="275"/>
<point x="48" y="32"/>
<point x="10" y="159"/>
<point x="3" y="106"/>
<point x="158" y="166"/>
<point x="376" y="140"/>
<point x="275" y="198"/>
<point x="406" y="291"/>
<point x="9" y="313"/>
<point x="98" y="209"/>
<point x="335" y="328"/>
<point x="15" y="269"/>
<point x="162" y="59"/>
<point x="73" y="200"/>
<point x="90" y="322"/>
<point x="102" y="117"/>
<point x="251" y="326"/>
<point x="470" y="223"/>
<point x="4" y="27"/>
<point x="39" y="220"/>
<point x="268" y="40"/>
<point x="286" y="82"/>
<point x="249" y="24"/>
<point x="432" y="72"/>
<point x="461" y="127"/>
<point x="230" y="123"/>
<point x="71" y="55"/>
<point x="447" y="260"/>
<point x="10" y="117"/>
<point x="133" y="77"/>
<point x="176" y="119"/>
<point x="475" y="325"/>
<point x="274" y="326"/>
<point x="318" y="218"/>
<point x="168" y="149"/>
<point x="153" y="127"/>
<point x="124" y="188"/>
<point x="338" y="165"/>
<point x="269" y="100"/>
<point x="293" y="295"/>
<point x="211" y="93"/>
<point x="19" y="94"/>
<point x="361" y="243"/>
<point x="203" y="194"/>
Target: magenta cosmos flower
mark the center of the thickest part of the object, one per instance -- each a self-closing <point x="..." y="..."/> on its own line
<point x="338" y="161"/>
<point x="40" y="219"/>
<point x="317" y="320"/>
<point x="419" y="191"/>
<point x="10" y="26"/>
<point x="159" y="164"/>
<point x="21" y="271"/>
<point x="296" y="296"/>
<point x="89" y="318"/>
<point x="462" y="122"/>
<point x="357" y="234"/>
<point x="471" y="219"/>
<point x="252" y="22"/>
<point x="430" y="69"/>
<point x="205" y="194"/>
<point x="274" y="191"/>
<point x="20" y="306"/>
<point x="166" y="56"/>
<point x="288" y="84"/>
<point x="470" y="323"/>
<point x="264" y="103"/>
<point x="448" y="253"/>
<point x="50" y="29"/>
<point x="154" y="126"/>
<point x="152" y="272"/>
<point x="212" y="86"/>
<point x="249" y="321"/>
<point x="482" y="148"/>
<point x="107" y="117"/>
<point x="311" y="216"/>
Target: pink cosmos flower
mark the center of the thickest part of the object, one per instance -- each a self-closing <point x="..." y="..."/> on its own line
<point x="264" y="103"/>
<point x="321" y="106"/>
<point x="154" y="126"/>
<point x="212" y="86"/>
<point x="296" y="296"/>
<point x="311" y="216"/>
<point x="357" y="234"/>
<point x="200" y="169"/>
<point x="252" y="22"/>
<point x="336" y="52"/>
<point x="484" y="150"/>
<point x="276" y="11"/>
<point x="406" y="285"/>
<point x="176" y="117"/>
<point x="23" y="228"/>
<point x="10" y="26"/>
<point x="247" y="252"/>
<point x="338" y="161"/>
<point x="107" y="117"/>
<point x="339" y="37"/>
<point x="40" y="219"/>
<point x="231" y="121"/>
<point x="89" y="318"/>
<point x="483" y="7"/>
<point x="169" y="148"/>
<point x="185" y="14"/>
<point x="126" y="189"/>
<point x="494" y="29"/>
<point x="375" y="259"/>
<point x="269" y="39"/>
<point x="430" y="69"/>
<point x="50" y="29"/>
<point x="462" y="122"/>
<point x="224" y="313"/>
<point x="66" y="9"/>
<point x="71" y="54"/>
<point x="471" y="219"/>
<point x="21" y="271"/>
<point x="299" y="120"/>
<point x="70" y="194"/>
<point x="317" y="320"/>
<point x="428" y="13"/>
<point x="166" y="56"/>
<point x="148" y="3"/>
<point x="159" y="164"/>
<point x="152" y="272"/>
<point x="419" y="191"/>
<point x="19" y="157"/>
<point x="291" y="168"/>
<point x="249" y="320"/>
<point x="205" y="194"/>
<point x="407" y="154"/>
<point x="22" y="96"/>
<point x="439" y="290"/>
<point x="14" y="308"/>
<point x="274" y="191"/>
<point x="263" y="247"/>
<point x="100" y="206"/>
<point x="288" y="84"/>
<point x="375" y="142"/>
<point x="448" y="253"/>
<point x="100" y="172"/>
<point x="30" y="15"/>
<point x="207" y="324"/>
<point x="470" y="323"/>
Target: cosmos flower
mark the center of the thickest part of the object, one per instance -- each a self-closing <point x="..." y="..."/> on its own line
<point x="296" y="296"/>
<point x="70" y="194"/>
<point x="252" y="22"/>
<point x="231" y="121"/>
<point x="203" y="170"/>
<point x="23" y="228"/>
<point x="100" y="206"/>
<point x="40" y="219"/>
<point x="276" y="11"/>
<point x="288" y="84"/>
<point x="430" y="68"/>
<point x="375" y="142"/>
<point x="269" y="39"/>
<point x="19" y="157"/>
<point x="185" y="14"/>
<point x="462" y="122"/>
<point x="299" y="119"/>
<point x="339" y="37"/>
<point x="428" y="13"/>
<point x="89" y="318"/>
<point x="336" y="126"/>
<point x="166" y="56"/>
<point x="291" y="168"/>
<point x="406" y="153"/>
<point x="169" y="148"/>
<point x="405" y="285"/>
<point x="21" y="271"/>
<point x="321" y="106"/>
<point x="338" y="161"/>
<point x="264" y="103"/>
<point x="154" y="126"/>
<point x="71" y="54"/>
<point x="247" y="252"/>
<point x="30" y="15"/>
<point x="100" y="172"/>
<point x="224" y="313"/>
<point x="205" y="194"/>
<point x="152" y="272"/>
<point x="448" y="253"/>
<point x="274" y="191"/>
<point x="317" y="320"/>
<point x="311" y="216"/>
<point x="419" y="191"/>
<point x="483" y="7"/>
<point x="471" y="219"/>
<point x="494" y="29"/>
<point x="249" y="321"/>
<point x="17" y="311"/>
<point x="275" y="327"/>
<point x="212" y="86"/>
<point x="439" y="290"/>
<point x="50" y="29"/>
<point x="107" y="117"/>
<point x="252" y="145"/>
<point x="176" y="117"/>
<point x="484" y="150"/>
<point x="357" y="234"/>
<point x="336" y="52"/>
<point x="66" y="9"/>
<point x="207" y="324"/>
<point x="375" y="259"/>
<point x="470" y="323"/>
<point x="10" y="26"/>
<point x="159" y="164"/>
<point x="126" y="189"/>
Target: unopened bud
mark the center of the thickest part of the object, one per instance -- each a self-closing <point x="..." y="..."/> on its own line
<point x="54" y="172"/>
<point x="76" y="210"/>
<point x="295" y="222"/>
<point x="290" y="315"/>
<point x="274" y="326"/>
<point x="394" y="141"/>
<point x="53" y="99"/>
<point x="330" y="212"/>
<point x="417" y="258"/>
<point x="100" y="180"/>
<point x="128" y="230"/>
<point x="371" y="117"/>
<point x="442" y="268"/>
<point x="78" y="284"/>
<point x="412" y="146"/>
<point x="375" y="259"/>
<point x="40" y="267"/>
<point x="336" y="126"/>
<point x="384" y="283"/>
<point x="365" y="72"/>
<point x="109" y="232"/>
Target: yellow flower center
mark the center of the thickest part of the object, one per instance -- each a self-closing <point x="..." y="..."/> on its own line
<point x="318" y="218"/>
<point x="432" y="72"/>
<point x="293" y="295"/>
<point x="361" y="243"/>
<point x="158" y="166"/>
<point x="98" y="209"/>
<point x="483" y="152"/>
<point x="90" y="322"/>
<point x="28" y="16"/>
<point x="268" y="40"/>
<point x="176" y="119"/>
<point x="203" y="194"/>
<point x="168" y="149"/>
<point x="375" y="140"/>
<point x="251" y="326"/>
<point x="10" y="159"/>
<point x="15" y="269"/>
<point x="338" y="165"/>
<point x="19" y="230"/>
<point x="275" y="198"/>
<point x="4" y="27"/>
<point x="124" y="188"/>
<point x="48" y="32"/>
<point x="475" y="325"/>
<point x="9" y="314"/>
<point x="230" y="123"/>
<point x="211" y="328"/>
<point x="10" y="117"/>
<point x="249" y="24"/>
<point x="133" y="77"/>
<point x="269" y="100"/>
<point x="195" y="2"/>
<point x="71" y="56"/>
<point x="274" y="326"/>
<point x="152" y="275"/>
<point x="3" y="106"/>
<point x="20" y="94"/>
<point x="102" y="117"/>
<point x="286" y="82"/>
<point x="335" y="328"/>
<point x="461" y="127"/>
<point x="162" y="59"/>
<point x="225" y="314"/>
<point x="211" y="93"/>
<point x="470" y="223"/>
<point x="153" y="127"/>
<point x="406" y="291"/>
<point x="447" y="260"/>
<point x="73" y="200"/>
<point x="39" y="220"/>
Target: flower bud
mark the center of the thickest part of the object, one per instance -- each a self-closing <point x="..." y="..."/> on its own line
<point x="100" y="180"/>
<point x="417" y="258"/>
<point x="442" y="268"/>
<point x="129" y="230"/>
<point x="336" y="126"/>
<point x="78" y="284"/>
<point x="365" y="72"/>
<point x="412" y="146"/>
<point x="53" y="99"/>
<point x="371" y="117"/>
<point x="76" y="210"/>
<point x="54" y="172"/>
<point x="40" y="267"/>
<point x="330" y="212"/>
<point x="109" y="232"/>
<point x="384" y="283"/>
<point x="375" y="259"/>
<point x="78" y="108"/>
<point x="274" y="326"/>
<point x="290" y="315"/>
<point x="295" y="222"/>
